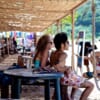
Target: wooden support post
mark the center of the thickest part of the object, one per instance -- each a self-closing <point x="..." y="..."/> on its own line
<point x="72" y="35"/>
<point x="52" y="29"/>
<point x="61" y="26"/>
<point x="35" y="39"/>
<point x="93" y="34"/>
<point x="8" y="45"/>
<point x="58" y="26"/>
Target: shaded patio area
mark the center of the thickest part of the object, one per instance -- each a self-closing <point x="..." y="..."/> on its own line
<point x="37" y="92"/>
<point x="34" y="15"/>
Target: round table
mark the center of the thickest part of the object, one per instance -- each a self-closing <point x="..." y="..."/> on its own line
<point x="19" y="74"/>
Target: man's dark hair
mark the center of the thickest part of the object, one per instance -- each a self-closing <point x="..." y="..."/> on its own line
<point x="59" y="39"/>
<point x="87" y="48"/>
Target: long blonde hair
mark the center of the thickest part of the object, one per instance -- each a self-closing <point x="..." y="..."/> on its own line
<point x="41" y="45"/>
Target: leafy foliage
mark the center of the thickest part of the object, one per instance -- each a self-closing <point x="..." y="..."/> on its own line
<point x="83" y="21"/>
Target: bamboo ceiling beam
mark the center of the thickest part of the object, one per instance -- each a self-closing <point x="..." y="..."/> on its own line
<point x="15" y="19"/>
<point x="21" y="29"/>
<point x="33" y="10"/>
<point x="81" y="3"/>
<point x="29" y="21"/>
<point x="13" y="11"/>
<point x="20" y="25"/>
<point x="33" y="19"/>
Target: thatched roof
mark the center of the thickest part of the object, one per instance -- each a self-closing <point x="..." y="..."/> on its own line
<point x="33" y="15"/>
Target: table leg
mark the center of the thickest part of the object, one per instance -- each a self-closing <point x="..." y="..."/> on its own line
<point x="15" y="88"/>
<point x="4" y="91"/>
<point x="57" y="89"/>
<point x="23" y="50"/>
<point x="28" y="64"/>
<point x="47" y="89"/>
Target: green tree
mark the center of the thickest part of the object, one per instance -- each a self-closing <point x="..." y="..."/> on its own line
<point x="68" y="19"/>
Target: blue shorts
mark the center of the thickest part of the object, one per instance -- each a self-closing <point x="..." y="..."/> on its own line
<point x="89" y="74"/>
<point x="79" y="62"/>
<point x="85" y="62"/>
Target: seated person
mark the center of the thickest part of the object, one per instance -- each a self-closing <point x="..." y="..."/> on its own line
<point x="97" y="59"/>
<point x="72" y="79"/>
<point x="41" y="56"/>
<point x="97" y="65"/>
<point x="57" y="60"/>
<point x="61" y="44"/>
<point x="6" y="80"/>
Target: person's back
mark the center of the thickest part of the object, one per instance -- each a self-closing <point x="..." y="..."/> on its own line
<point x="14" y="43"/>
<point x="5" y="80"/>
<point x="42" y="51"/>
<point x="57" y="59"/>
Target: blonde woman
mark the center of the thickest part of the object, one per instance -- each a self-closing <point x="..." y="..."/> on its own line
<point x="41" y="58"/>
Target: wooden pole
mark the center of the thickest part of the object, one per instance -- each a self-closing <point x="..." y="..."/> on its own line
<point x="8" y="45"/>
<point x="35" y="39"/>
<point x="93" y="34"/>
<point x="61" y="26"/>
<point x="93" y="39"/>
<point x="58" y="26"/>
<point x="52" y="29"/>
<point x="72" y="35"/>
